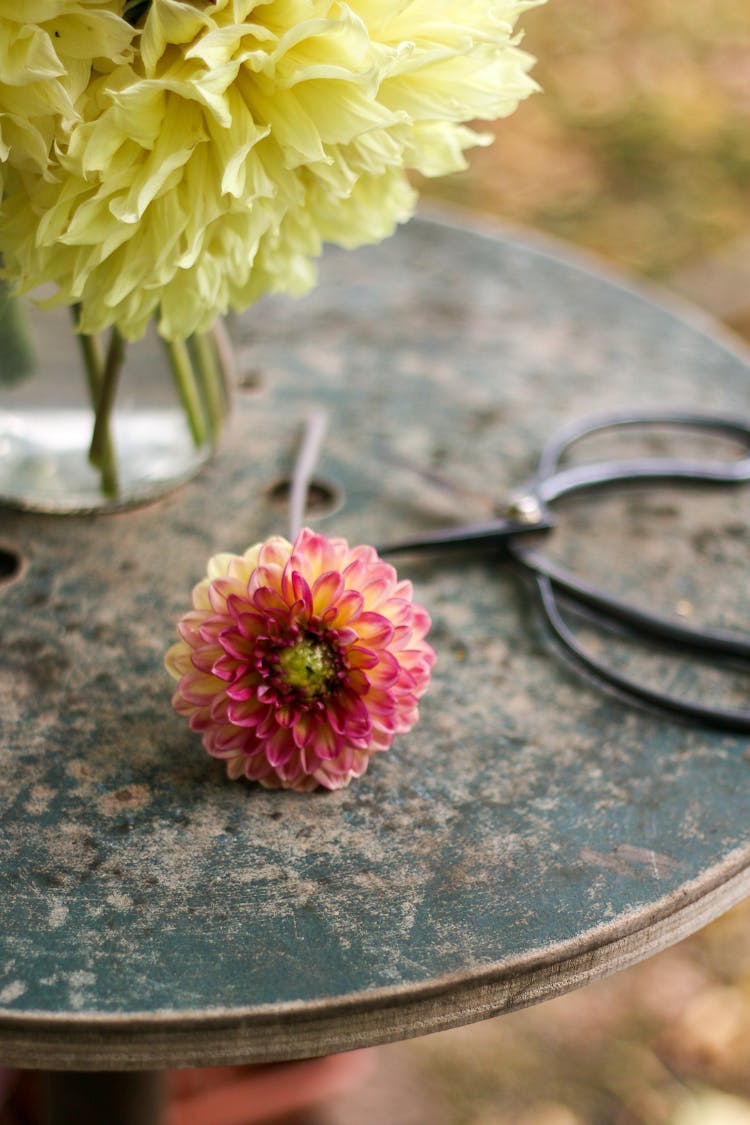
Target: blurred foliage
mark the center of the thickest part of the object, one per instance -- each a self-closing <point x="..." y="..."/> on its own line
<point x="666" y="1042"/>
<point x="638" y="149"/>
<point x="639" y="145"/>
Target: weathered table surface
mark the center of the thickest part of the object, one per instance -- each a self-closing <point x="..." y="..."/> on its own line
<point x="529" y="835"/>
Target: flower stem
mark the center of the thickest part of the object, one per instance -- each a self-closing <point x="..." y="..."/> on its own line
<point x="211" y="383"/>
<point x="94" y="366"/>
<point x="15" y="336"/>
<point x="93" y="360"/>
<point x="187" y="387"/>
<point x="101" y="453"/>
<point x="307" y="459"/>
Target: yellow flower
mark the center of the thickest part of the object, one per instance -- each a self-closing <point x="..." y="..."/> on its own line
<point x="47" y="51"/>
<point x="210" y="166"/>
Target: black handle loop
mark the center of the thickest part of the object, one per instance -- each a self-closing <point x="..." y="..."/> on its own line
<point x="626" y="687"/>
<point x="551" y="481"/>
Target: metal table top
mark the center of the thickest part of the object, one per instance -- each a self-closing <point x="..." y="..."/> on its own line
<point x="529" y="835"/>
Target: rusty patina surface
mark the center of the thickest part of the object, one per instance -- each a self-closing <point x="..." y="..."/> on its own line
<point x="529" y="834"/>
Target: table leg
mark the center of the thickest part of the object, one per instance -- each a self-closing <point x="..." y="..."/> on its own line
<point x="103" y="1097"/>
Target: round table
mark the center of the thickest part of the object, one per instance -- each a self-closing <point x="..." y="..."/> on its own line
<point x="529" y="835"/>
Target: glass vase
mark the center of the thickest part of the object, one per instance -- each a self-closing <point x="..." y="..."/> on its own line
<point x="74" y="440"/>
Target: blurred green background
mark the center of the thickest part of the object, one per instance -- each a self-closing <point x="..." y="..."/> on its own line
<point x="638" y="149"/>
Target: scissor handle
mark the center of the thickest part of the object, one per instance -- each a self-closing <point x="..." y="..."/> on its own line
<point x="734" y="719"/>
<point x="551" y="481"/>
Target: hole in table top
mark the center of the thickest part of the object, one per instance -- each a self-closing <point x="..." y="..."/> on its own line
<point x="323" y="497"/>
<point x="10" y="565"/>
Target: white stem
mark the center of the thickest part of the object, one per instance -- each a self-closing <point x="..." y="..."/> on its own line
<point x="304" y="468"/>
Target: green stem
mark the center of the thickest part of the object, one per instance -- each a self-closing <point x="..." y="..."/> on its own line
<point x="100" y="451"/>
<point x="17" y="351"/>
<point x="93" y="359"/>
<point x="211" y="383"/>
<point x="187" y="387"/>
<point x="94" y="366"/>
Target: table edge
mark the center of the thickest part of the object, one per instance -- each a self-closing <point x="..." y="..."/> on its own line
<point x="276" y="1033"/>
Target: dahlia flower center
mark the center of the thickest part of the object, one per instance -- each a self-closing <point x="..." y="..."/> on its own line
<point x="310" y="667"/>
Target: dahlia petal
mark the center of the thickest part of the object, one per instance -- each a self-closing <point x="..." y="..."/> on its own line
<point x="268" y="725"/>
<point x="246" y="712"/>
<point x="326" y="743"/>
<point x="358" y="682"/>
<point x="181" y="705"/>
<point x="226" y="668"/>
<point x="381" y="740"/>
<point x="190" y="624"/>
<point x="219" y="708"/>
<point x="210" y="629"/>
<point x="291" y="773"/>
<point x="256" y="767"/>
<point x="366" y="556"/>
<point x="313" y="553"/>
<point x="268" y="574"/>
<point x="198" y="688"/>
<point x="235" y="644"/>
<point x="235" y="767"/>
<point x="287" y="715"/>
<point x="385" y="723"/>
<point x="361" y="657"/>
<point x="177" y="660"/>
<point x="280" y="747"/>
<point x="326" y="589"/>
<point x="401" y="637"/>
<point x="345" y="761"/>
<point x="356" y="573"/>
<point x="404" y="591"/>
<point x="421" y="622"/>
<point x="219" y="565"/>
<point x="225" y="740"/>
<point x="376" y="591"/>
<point x="348" y="607"/>
<point x="302" y="594"/>
<point x="375" y="629"/>
<point x="223" y="588"/>
<point x="381" y="703"/>
<point x="245" y="689"/>
<point x="331" y="776"/>
<point x="202" y="658"/>
<point x="348" y="716"/>
<point x="274" y="552"/>
<point x="303" y="730"/>
<point x="303" y="783"/>
<point x="344" y="636"/>
<point x="386" y="672"/>
<point x="268" y="601"/>
<point x="266" y="693"/>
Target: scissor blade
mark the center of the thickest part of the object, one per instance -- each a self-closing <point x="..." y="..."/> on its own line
<point x="492" y="535"/>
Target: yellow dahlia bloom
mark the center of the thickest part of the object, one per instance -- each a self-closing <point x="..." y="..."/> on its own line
<point x="209" y="164"/>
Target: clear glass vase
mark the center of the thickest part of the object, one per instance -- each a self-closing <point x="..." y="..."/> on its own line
<point x="168" y="405"/>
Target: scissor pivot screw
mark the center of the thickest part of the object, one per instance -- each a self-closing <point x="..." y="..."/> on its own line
<point x="524" y="509"/>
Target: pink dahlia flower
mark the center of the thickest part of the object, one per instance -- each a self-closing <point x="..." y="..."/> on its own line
<point x="299" y="661"/>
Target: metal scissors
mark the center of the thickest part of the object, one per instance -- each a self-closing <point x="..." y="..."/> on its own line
<point x="529" y="515"/>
